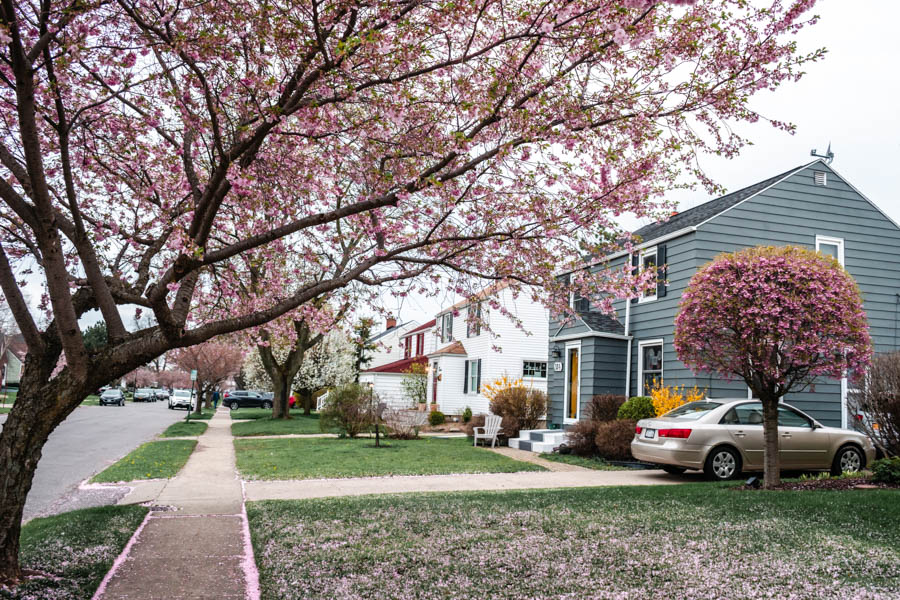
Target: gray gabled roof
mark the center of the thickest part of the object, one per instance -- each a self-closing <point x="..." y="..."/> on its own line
<point x="378" y="336"/>
<point x="707" y="210"/>
<point x="601" y="322"/>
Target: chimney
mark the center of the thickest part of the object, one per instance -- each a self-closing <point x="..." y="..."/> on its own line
<point x="390" y="323"/>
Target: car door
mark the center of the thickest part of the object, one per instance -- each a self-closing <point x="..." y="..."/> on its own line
<point x="800" y="445"/>
<point x="744" y="425"/>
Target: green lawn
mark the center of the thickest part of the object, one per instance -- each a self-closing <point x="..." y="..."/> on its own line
<point x="267" y="426"/>
<point x="581" y="461"/>
<point x="316" y="458"/>
<point x="91" y="400"/>
<point x="261" y="413"/>
<point x="76" y="548"/>
<point x="4" y="410"/>
<point x="182" y="429"/>
<point x="693" y="541"/>
<point x="153" y="460"/>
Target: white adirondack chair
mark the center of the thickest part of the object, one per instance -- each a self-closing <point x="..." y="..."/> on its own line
<point x="489" y="431"/>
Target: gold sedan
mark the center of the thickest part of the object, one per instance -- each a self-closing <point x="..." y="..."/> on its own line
<point x="725" y="437"/>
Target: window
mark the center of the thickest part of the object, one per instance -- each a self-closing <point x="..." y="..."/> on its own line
<point x="420" y="344"/>
<point x="651" y="364"/>
<point x="831" y="246"/>
<point x="407" y="347"/>
<point x="472" y="376"/>
<point x="648" y="261"/>
<point x="446" y="327"/>
<point x="534" y="368"/>
<point x="473" y="320"/>
<point x="790" y="418"/>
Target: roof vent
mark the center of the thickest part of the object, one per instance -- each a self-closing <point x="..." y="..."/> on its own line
<point x="821" y="178"/>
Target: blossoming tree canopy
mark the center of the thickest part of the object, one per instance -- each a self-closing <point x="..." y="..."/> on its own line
<point x="151" y="152"/>
<point x="777" y="318"/>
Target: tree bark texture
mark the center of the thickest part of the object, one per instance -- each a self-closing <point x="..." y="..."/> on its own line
<point x="772" y="464"/>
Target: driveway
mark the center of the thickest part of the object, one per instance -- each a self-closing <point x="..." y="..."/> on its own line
<point x="92" y="438"/>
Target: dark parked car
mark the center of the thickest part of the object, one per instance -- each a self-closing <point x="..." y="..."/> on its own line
<point x="235" y="399"/>
<point x="144" y="395"/>
<point x="113" y="397"/>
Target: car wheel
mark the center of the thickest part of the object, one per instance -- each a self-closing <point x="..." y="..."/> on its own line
<point x="673" y="470"/>
<point x="722" y="464"/>
<point x="267" y="405"/>
<point x="235" y="406"/>
<point x="848" y="458"/>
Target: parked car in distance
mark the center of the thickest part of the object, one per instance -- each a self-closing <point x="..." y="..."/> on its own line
<point x="725" y="437"/>
<point x="144" y="395"/>
<point x="112" y="397"/>
<point x="235" y="399"/>
<point x="181" y="399"/>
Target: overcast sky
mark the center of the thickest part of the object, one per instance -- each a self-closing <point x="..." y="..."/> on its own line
<point x="851" y="99"/>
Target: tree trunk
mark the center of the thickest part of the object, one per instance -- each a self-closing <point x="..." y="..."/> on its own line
<point x="22" y="440"/>
<point x="772" y="464"/>
<point x="280" y="406"/>
<point x="307" y="401"/>
<point x="201" y="395"/>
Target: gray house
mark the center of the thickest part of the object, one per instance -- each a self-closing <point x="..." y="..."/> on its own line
<point x="811" y="205"/>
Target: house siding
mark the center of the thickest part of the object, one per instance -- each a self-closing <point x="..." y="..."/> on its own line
<point x="793" y="211"/>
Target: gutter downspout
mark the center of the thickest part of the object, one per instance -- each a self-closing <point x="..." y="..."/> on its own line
<point x="628" y="358"/>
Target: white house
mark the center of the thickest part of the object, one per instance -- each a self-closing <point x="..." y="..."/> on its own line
<point x="12" y="361"/>
<point x="466" y="358"/>
<point x="387" y="379"/>
<point x="388" y="348"/>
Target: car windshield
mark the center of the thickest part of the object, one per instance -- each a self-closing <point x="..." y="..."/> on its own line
<point x="182" y="393"/>
<point x="109" y="393"/>
<point x="692" y="410"/>
<point x="145" y="391"/>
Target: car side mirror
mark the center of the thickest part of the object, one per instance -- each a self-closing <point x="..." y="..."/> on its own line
<point x="816" y="425"/>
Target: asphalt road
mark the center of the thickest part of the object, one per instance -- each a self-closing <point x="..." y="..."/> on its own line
<point x="92" y="438"/>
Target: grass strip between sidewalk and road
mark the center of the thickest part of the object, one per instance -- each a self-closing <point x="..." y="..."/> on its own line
<point x="323" y="458"/>
<point x="153" y="460"/>
<point x="75" y="549"/>
<point x="182" y="429"/>
<point x="580" y="461"/>
<point x="689" y="541"/>
<point x="298" y="424"/>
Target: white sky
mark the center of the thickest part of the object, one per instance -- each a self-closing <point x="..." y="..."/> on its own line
<point x="851" y="98"/>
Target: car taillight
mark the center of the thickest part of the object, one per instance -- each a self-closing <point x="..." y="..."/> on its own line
<point x="638" y="430"/>
<point x="675" y="433"/>
<point x="859" y="417"/>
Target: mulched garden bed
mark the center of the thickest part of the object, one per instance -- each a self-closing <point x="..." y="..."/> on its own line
<point x="850" y="483"/>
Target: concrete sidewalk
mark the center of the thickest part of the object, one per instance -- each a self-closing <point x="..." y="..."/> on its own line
<point x="195" y="543"/>
<point x="324" y="488"/>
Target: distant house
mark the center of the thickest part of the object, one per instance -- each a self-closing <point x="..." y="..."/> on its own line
<point x="466" y="359"/>
<point x="12" y="362"/>
<point x="387" y="342"/>
<point x="387" y="379"/>
<point x="811" y="205"/>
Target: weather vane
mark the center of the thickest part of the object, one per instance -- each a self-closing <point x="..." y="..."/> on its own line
<point x="828" y="156"/>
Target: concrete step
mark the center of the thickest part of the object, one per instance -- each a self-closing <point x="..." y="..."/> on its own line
<point x="538" y="440"/>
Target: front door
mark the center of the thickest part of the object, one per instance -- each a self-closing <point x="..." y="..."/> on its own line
<point x="572" y="383"/>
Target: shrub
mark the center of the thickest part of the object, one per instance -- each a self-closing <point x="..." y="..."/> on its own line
<point x="604" y="407"/>
<point x="667" y="398"/>
<point x="403" y="424"/>
<point x="523" y="407"/>
<point x="467" y="415"/>
<point x="637" y="408"/>
<point x="886" y="470"/>
<point x="877" y="405"/>
<point x="490" y="390"/>
<point x="436" y="418"/>
<point x="581" y="438"/>
<point x="349" y="408"/>
<point x="613" y="439"/>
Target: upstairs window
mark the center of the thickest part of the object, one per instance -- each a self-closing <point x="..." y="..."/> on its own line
<point x="407" y="347"/>
<point x="473" y="320"/>
<point x="446" y="327"/>
<point x="420" y="344"/>
<point x="831" y="246"/>
<point x="648" y="262"/>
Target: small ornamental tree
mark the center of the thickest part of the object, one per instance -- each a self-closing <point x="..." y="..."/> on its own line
<point x="777" y="318"/>
<point x="214" y="362"/>
<point x="415" y="384"/>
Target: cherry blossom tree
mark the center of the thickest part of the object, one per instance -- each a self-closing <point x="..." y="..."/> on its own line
<point x="776" y="318"/>
<point x="214" y="362"/>
<point x="152" y="151"/>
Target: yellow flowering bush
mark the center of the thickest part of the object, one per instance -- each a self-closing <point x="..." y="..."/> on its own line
<point x="490" y="390"/>
<point x="667" y="398"/>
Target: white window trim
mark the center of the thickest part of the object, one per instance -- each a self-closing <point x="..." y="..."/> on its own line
<point x="567" y="420"/>
<point x="473" y="366"/>
<point x="833" y="241"/>
<point x="646" y="252"/>
<point x="640" y="374"/>
<point x="536" y="360"/>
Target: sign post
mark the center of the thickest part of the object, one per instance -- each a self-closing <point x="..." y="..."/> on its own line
<point x="187" y="419"/>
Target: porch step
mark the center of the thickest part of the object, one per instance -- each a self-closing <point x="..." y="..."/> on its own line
<point x="538" y="440"/>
